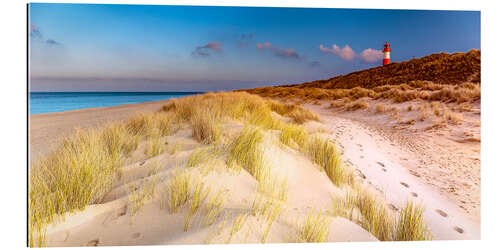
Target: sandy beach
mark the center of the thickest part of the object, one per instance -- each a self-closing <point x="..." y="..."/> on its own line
<point x="46" y="130"/>
<point x="384" y="162"/>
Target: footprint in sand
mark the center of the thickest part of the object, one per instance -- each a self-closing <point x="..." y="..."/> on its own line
<point x="441" y="212"/>
<point x="458" y="229"/>
<point x="404" y="184"/>
<point x="136" y="235"/>
<point x="414" y="194"/>
<point x="122" y="211"/>
<point x="93" y="243"/>
<point x="393" y="207"/>
<point x="115" y="215"/>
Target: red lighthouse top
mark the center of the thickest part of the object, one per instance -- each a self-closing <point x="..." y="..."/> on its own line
<point x="387" y="47"/>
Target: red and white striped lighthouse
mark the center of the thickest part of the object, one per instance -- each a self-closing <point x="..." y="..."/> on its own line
<point x="387" y="54"/>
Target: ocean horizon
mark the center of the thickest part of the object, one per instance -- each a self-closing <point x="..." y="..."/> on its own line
<point x="51" y="102"/>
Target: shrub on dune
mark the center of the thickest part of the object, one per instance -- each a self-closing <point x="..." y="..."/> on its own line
<point x="356" y="105"/>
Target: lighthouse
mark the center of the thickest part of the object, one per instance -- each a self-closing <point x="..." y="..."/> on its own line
<point x="387" y="54"/>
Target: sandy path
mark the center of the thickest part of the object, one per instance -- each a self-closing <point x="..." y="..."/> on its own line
<point x="46" y="130"/>
<point x="387" y="166"/>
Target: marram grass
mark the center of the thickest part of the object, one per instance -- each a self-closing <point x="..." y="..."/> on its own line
<point x="324" y="153"/>
<point x="314" y="228"/>
<point x="78" y="173"/>
<point x="82" y="170"/>
<point x="245" y="151"/>
<point x="410" y="224"/>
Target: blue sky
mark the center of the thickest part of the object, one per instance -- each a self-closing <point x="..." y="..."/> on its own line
<point x="79" y="47"/>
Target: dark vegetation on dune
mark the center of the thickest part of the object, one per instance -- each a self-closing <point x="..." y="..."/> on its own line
<point x="438" y="77"/>
<point x="442" y="68"/>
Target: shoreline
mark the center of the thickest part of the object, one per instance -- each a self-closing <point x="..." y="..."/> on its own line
<point x="168" y="96"/>
<point x="46" y="130"/>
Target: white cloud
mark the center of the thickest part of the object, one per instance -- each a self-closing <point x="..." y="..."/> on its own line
<point x="346" y="53"/>
<point x="371" y="55"/>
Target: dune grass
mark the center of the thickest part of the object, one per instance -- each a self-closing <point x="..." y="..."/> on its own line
<point x="245" y="152"/>
<point x="453" y="78"/>
<point x="368" y="210"/>
<point x="410" y="224"/>
<point x="205" y="127"/>
<point x="314" y="228"/>
<point x="214" y="207"/>
<point x="78" y="173"/>
<point x="82" y="170"/>
<point x="241" y="106"/>
<point x="198" y="194"/>
<point x="274" y="187"/>
<point x="200" y="156"/>
<point x="154" y="144"/>
<point x="144" y="124"/>
<point x="177" y="190"/>
<point x="293" y="135"/>
<point x="138" y="196"/>
<point x="324" y="153"/>
<point x="356" y="105"/>
<point x="380" y="108"/>
<point x="268" y="210"/>
<point x="238" y="223"/>
<point x="372" y="213"/>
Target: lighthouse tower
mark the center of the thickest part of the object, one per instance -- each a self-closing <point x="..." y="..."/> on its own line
<point x="387" y="54"/>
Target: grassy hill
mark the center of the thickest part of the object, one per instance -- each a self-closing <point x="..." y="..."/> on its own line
<point x="443" y="76"/>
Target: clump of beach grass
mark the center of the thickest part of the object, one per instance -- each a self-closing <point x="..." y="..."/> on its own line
<point x="356" y="105"/>
<point x="200" y="156"/>
<point x="77" y="173"/>
<point x="293" y="135"/>
<point x="205" y="127"/>
<point x="424" y="112"/>
<point x="177" y="190"/>
<point x="314" y="228"/>
<point x="410" y="225"/>
<point x="453" y="117"/>
<point x="238" y="223"/>
<point x="197" y="195"/>
<point x="374" y="215"/>
<point x="138" y="196"/>
<point x="296" y="112"/>
<point x="214" y="207"/>
<point x="143" y="124"/>
<point x="274" y="187"/>
<point x="324" y="153"/>
<point x="245" y="152"/>
<point x="269" y="210"/>
<point x="154" y="144"/>
<point x="380" y="108"/>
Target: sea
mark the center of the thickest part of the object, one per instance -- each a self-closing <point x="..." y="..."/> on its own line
<point x="50" y="102"/>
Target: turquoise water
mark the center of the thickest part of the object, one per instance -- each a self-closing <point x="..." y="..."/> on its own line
<point x="49" y="102"/>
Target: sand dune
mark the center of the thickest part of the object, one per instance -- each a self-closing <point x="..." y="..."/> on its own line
<point x="111" y="222"/>
<point x="369" y="143"/>
<point x="284" y="199"/>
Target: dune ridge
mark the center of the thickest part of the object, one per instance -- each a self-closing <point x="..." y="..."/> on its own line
<point x="212" y="168"/>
